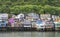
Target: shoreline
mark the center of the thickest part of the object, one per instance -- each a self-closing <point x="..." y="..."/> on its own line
<point x="22" y="29"/>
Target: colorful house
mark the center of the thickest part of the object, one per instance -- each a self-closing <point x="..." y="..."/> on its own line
<point x="57" y="23"/>
<point x="3" y="19"/>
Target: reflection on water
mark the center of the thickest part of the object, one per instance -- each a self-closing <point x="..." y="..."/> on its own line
<point x="29" y="34"/>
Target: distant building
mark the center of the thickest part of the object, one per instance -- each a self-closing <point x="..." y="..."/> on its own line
<point x="21" y="15"/>
<point x="3" y="19"/>
<point x="4" y="16"/>
<point x="27" y="23"/>
<point x="45" y="16"/>
<point x="33" y="15"/>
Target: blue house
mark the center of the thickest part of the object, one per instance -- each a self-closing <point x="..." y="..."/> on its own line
<point x="2" y="23"/>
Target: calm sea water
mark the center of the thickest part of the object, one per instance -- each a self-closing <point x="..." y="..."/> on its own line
<point x="29" y="34"/>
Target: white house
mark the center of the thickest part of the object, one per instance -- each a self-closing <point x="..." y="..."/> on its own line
<point x="4" y="16"/>
<point x="21" y="15"/>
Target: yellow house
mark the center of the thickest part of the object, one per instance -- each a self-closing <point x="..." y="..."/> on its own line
<point x="57" y="19"/>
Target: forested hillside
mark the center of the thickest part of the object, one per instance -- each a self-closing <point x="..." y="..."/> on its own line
<point x="27" y="6"/>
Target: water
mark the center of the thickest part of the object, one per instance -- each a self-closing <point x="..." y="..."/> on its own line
<point x="29" y="34"/>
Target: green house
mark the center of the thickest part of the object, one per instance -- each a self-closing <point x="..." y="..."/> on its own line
<point x="57" y="26"/>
